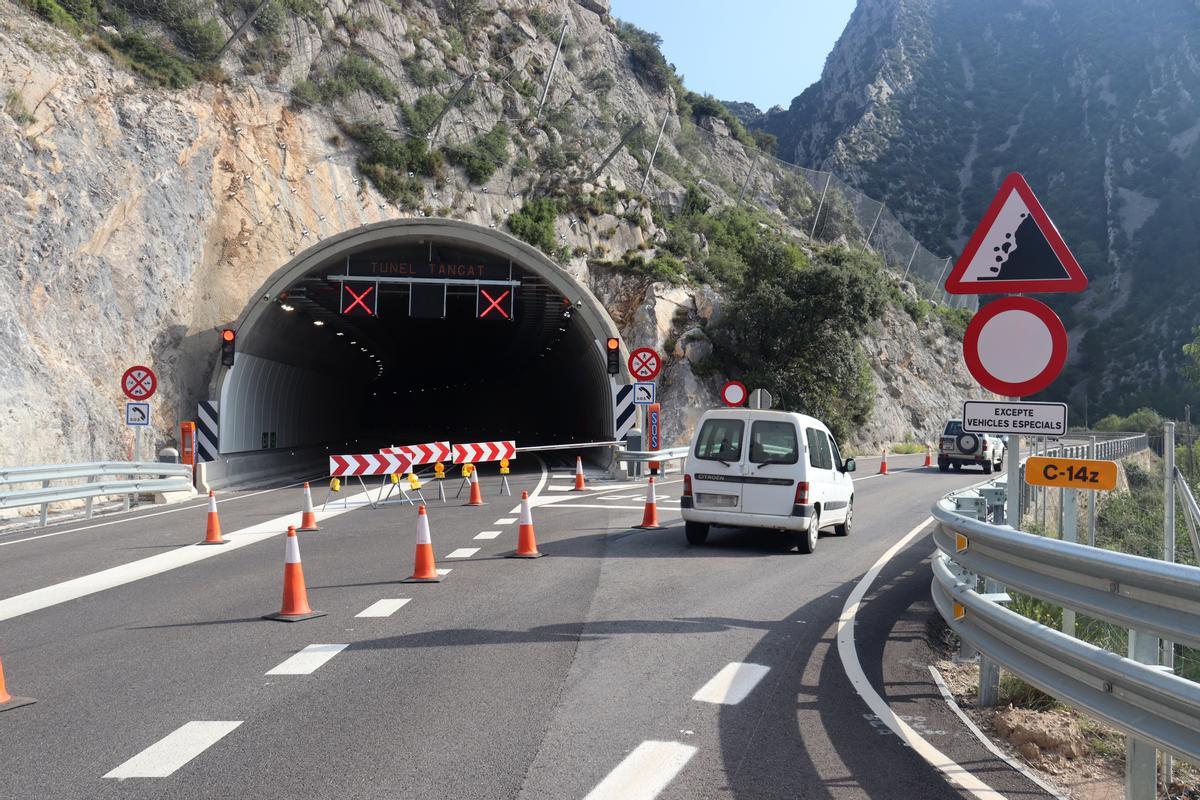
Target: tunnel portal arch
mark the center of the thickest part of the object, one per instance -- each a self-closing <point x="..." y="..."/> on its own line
<point x="306" y="375"/>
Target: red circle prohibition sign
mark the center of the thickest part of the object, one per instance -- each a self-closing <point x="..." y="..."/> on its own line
<point x="139" y="383"/>
<point x="644" y="363"/>
<point x="1015" y="346"/>
<point x="734" y="393"/>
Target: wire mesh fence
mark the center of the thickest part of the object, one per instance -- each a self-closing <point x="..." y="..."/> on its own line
<point x="438" y="135"/>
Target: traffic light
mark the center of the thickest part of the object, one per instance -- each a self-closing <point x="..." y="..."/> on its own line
<point x="614" y="355"/>
<point x="227" y="339"/>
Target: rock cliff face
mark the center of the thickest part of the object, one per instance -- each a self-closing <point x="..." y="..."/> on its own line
<point x="135" y="220"/>
<point x="927" y="104"/>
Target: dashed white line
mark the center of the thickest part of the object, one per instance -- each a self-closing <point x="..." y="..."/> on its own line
<point x="644" y="773"/>
<point x="487" y="534"/>
<point x="308" y="660"/>
<point x="732" y="684"/>
<point x="174" y="750"/>
<point x="463" y="552"/>
<point x="443" y="572"/>
<point x="560" y="488"/>
<point x="506" y="521"/>
<point x="384" y="608"/>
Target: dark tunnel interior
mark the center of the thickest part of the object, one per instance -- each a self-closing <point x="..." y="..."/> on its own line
<point x="414" y="342"/>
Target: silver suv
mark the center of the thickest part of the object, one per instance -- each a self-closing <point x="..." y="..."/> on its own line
<point x="959" y="447"/>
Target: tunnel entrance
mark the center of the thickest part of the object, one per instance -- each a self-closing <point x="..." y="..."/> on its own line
<point x="410" y="331"/>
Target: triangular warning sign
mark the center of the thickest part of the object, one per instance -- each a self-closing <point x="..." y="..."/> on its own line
<point x="1016" y="249"/>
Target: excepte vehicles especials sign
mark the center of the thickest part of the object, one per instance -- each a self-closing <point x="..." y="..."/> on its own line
<point x="1005" y="417"/>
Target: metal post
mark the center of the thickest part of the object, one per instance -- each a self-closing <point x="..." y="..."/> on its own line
<point x="242" y="28"/>
<point x="1141" y="781"/>
<point x="1168" y="648"/>
<point x="45" y="507"/>
<point x="628" y="135"/>
<point x="1187" y="438"/>
<point x="745" y="183"/>
<point x="1012" y="506"/>
<point x="436" y="126"/>
<point x="137" y="443"/>
<point x="654" y="153"/>
<point x="550" y="74"/>
<point x="871" y="233"/>
<point x="1093" y="498"/>
<point x="916" y="246"/>
<point x="1070" y="519"/>
<point x="820" y="205"/>
<point x="945" y="267"/>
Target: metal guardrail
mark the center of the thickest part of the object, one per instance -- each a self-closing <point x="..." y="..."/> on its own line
<point x="130" y="478"/>
<point x="1143" y="594"/>
<point x="670" y="454"/>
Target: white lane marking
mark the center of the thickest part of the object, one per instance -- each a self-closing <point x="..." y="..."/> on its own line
<point x="644" y="773"/>
<point x="487" y="534"/>
<point x="642" y="507"/>
<point x="988" y="743"/>
<point x="732" y="684"/>
<point x="463" y="552"/>
<point x="134" y="517"/>
<point x="174" y="750"/>
<point x="541" y="484"/>
<point x="848" y="652"/>
<point x="75" y="588"/>
<point x="560" y="488"/>
<point x="505" y="521"/>
<point x="308" y="660"/>
<point x="443" y="572"/>
<point x="384" y="608"/>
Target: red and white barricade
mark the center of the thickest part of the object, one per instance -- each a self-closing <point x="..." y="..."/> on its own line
<point x="484" y="451"/>
<point x="358" y="466"/>
<point x="421" y="454"/>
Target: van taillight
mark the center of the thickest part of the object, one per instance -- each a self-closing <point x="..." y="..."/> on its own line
<point x="687" y="485"/>
<point x="802" y="493"/>
<point x="985" y="445"/>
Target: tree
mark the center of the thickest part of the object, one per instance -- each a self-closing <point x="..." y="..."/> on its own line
<point x="1192" y="350"/>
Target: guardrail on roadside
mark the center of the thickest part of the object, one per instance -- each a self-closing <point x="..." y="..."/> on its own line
<point x="1152" y="598"/>
<point x="129" y="478"/>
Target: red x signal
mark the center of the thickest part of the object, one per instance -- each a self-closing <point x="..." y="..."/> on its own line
<point x="494" y="303"/>
<point x="358" y="300"/>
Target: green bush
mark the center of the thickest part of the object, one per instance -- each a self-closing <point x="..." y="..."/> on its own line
<point x="155" y="62"/>
<point x="67" y="14"/>
<point x="419" y="117"/>
<point x="954" y="320"/>
<point x="647" y="60"/>
<point x="355" y="72"/>
<point x="1145" y="420"/>
<point x="201" y="39"/>
<point x="306" y="94"/>
<point x="663" y="268"/>
<point x="534" y="223"/>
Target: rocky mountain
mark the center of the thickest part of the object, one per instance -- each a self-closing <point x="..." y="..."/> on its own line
<point x="149" y="183"/>
<point x="927" y="104"/>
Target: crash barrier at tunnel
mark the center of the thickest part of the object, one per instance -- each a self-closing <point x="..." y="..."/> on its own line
<point x="631" y="458"/>
<point x="126" y="479"/>
<point x="1153" y="599"/>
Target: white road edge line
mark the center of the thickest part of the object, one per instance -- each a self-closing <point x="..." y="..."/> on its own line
<point x="848" y="652"/>
<point x="122" y="574"/>
<point x="463" y="552"/>
<point x="384" y="608"/>
<point x="174" y="750"/>
<point x="732" y="684"/>
<point x="644" y="773"/>
<point x="487" y="534"/>
<point x="308" y="660"/>
<point x="988" y="743"/>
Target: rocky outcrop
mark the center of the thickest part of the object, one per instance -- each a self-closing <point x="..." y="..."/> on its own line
<point x="135" y="221"/>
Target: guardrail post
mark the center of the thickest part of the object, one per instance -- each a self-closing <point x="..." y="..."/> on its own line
<point x="1070" y="519"/>
<point x="1141" y="779"/>
<point x="45" y="507"/>
<point x="1168" y="648"/>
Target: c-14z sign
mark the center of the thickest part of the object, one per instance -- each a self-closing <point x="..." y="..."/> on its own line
<point x="1004" y="417"/>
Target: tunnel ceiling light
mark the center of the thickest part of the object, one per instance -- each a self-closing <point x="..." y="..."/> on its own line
<point x="339" y="333"/>
<point x="363" y="349"/>
<point x="353" y="342"/>
<point x="286" y="307"/>
<point x="318" y="323"/>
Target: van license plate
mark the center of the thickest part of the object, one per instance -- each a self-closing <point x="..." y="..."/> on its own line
<point x="718" y="500"/>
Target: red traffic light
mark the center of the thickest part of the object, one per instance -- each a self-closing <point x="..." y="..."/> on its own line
<point x="614" y="343"/>
<point x="228" y="335"/>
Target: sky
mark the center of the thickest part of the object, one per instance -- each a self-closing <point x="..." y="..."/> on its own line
<point x="763" y="51"/>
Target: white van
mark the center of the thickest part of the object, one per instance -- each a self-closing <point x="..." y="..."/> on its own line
<point x="751" y="468"/>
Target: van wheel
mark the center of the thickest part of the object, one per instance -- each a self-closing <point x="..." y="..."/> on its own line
<point x="696" y="532"/>
<point x="806" y="541"/>
<point x="987" y="468"/>
<point x="843" y="529"/>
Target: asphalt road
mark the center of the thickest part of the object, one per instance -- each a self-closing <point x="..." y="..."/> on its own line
<point x="547" y="678"/>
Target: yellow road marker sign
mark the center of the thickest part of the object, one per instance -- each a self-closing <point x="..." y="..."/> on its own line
<point x="1071" y="473"/>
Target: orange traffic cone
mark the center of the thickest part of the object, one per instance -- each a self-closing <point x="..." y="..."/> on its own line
<point x="7" y="701"/>
<point x="928" y="456"/>
<point x="650" y="515"/>
<point x="424" y="570"/>
<point x="526" y="541"/>
<point x="213" y="534"/>
<point x="295" y="595"/>
<point x="883" y="464"/>
<point x="308" y="517"/>
<point x="579" y="484"/>
<point x="476" y="492"/>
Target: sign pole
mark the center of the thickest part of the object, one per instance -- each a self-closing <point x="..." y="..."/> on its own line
<point x="137" y="443"/>
<point x="1012" y="506"/>
<point x="1092" y="501"/>
<point x="1070" y="519"/>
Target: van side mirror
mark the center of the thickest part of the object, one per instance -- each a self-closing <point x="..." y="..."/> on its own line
<point x="849" y="466"/>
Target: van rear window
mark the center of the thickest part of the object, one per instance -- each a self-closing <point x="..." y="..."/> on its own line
<point x="720" y="440"/>
<point x="773" y="442"/>
<point x="953" y="428"/>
